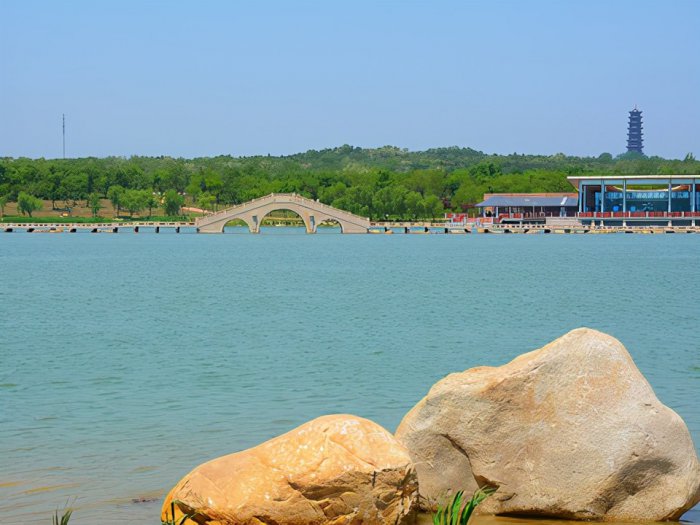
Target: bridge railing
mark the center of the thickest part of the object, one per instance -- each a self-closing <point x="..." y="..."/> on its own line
<point x="235" y="206"/>
<point x="330" y="208"/>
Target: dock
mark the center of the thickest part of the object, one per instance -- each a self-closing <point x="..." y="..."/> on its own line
<point x="392" y="227"/>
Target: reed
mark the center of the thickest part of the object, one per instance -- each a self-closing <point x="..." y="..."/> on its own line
<point x="456" y="512"/>
<point x="64" y="519"/>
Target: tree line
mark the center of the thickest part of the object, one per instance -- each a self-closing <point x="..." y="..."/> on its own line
<point x="386" y="182"/>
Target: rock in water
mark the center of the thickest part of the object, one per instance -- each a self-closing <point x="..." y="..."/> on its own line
<point x="335" y="469"/>
<point x="572" y="430"/>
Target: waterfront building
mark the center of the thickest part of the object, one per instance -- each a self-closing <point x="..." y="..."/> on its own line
<point x="638" y="199"/>
<point x="528" y="207"/>
<point x="634" y="131"/>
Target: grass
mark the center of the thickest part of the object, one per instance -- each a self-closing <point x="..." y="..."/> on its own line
<point x="456" y="512"/>
<point x="64" y="519"/>
<point x="172" y="520"/>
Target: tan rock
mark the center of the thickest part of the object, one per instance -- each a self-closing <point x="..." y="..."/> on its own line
<point x="572" y="430"/>
<point x="335" y="469"/>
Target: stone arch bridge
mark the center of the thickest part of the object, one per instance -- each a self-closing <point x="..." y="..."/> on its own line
<point x="311" y="212"/>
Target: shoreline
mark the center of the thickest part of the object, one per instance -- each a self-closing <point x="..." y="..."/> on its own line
<point x="375" y="228"/>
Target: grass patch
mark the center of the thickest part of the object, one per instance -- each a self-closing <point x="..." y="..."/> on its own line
<point x="63" y="519"/>
<point x="457" y="512"/>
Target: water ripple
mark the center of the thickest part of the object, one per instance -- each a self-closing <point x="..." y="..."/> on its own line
<point x="128" y="360"/>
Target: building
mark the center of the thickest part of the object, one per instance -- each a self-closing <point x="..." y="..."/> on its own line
<point x="634" y="131"/>
<point x="528" y="207"/>
<point x="638" y="199"/>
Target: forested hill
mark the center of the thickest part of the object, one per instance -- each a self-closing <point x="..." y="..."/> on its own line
<point x="385" y="181"/>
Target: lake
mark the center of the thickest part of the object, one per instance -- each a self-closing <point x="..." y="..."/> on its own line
<point x="126" y="360"/>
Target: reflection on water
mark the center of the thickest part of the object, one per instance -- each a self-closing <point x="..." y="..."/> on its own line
<point x="126" y="360"/>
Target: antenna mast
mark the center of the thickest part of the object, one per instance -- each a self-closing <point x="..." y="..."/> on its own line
<point x="64" y="135"/>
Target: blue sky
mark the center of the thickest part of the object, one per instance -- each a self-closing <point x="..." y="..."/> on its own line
<point x="205" y="78"/>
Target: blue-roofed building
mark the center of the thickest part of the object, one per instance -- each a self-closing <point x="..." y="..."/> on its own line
<point x="528" y="207"/>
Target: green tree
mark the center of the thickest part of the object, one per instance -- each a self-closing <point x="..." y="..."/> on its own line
<point x="426" y="182"/>
<point x="332" y="192"/>
<point x="151" y="202"/>
<point x="195" y="188"/>
<point x="116" y="195"/>
<point x="176" y="177"/>
<point x="94" y="203"/>
<point x="135" y="200"/>
<point x="160" y="176"/>
<point x="433" y="207"/>
<point x="213" y="184"/>
<point x="206" y="201"/>
<point x="389" y="202"/>
<point x="3" y="202"/>
<point x="414" y="205"/>
<point x="467" y="195"/>
<point x="28" y="204"/>
<point x="73" y="188"/>
<point x="172" y="202"/>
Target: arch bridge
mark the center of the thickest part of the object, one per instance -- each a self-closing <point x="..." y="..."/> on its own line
<point x="311" y="212"/>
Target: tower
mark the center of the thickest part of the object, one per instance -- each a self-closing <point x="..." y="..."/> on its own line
<point x="634" y="131"/>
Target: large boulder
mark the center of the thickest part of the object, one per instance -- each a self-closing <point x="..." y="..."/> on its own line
<point x="335" y="469"/>
<point x="572" y="430"/>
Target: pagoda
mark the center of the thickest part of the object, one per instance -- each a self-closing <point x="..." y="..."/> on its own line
<point x="634" y="131"/>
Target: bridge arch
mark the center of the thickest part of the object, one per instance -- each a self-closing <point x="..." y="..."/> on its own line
<point x="308" y="222"/>
<point x="330" y="221"/>
<point x="240" y="220"/>
<point x="311" y="212"/>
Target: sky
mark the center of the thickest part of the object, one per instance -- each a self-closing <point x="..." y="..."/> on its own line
<point x="203" y="78"/>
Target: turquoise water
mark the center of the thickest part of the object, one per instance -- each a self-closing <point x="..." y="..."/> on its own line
<point x="126" y="360"/>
